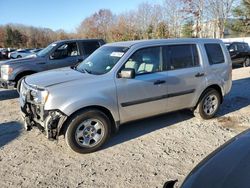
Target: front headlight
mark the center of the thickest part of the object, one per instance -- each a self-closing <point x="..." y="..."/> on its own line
<point x="39" y="96"/>
<point x="6" y="70"/>
<point x="23" y="91"/>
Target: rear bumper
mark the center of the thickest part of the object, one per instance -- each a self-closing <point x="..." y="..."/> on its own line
<point x="6" y="84"/>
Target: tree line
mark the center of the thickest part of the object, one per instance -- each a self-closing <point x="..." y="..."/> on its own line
<point x="21" y="36"/>
<point x="170" y="19"/>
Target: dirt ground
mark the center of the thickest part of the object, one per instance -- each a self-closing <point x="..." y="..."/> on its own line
<point x="143" y="154"/>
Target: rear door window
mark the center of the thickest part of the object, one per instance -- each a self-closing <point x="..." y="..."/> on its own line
<point x="90" y="47"/>
<point x="241" y="47"/>
<point x="214" y="53"/>
<point x="180" y="56"/>
<point x="233" y="47"/>
<point x="246" y="46"/>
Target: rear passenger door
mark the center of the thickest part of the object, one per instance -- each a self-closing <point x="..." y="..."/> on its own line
<point x="242" y="51"/>
<point x="186" y="76"/>
<point x="235" y="53"/>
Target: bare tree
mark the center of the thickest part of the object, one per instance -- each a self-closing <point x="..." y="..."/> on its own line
<point x="125" y="27"/>
<point x="220" y="10"/>
<point x="143" y="19"/>
<point x="97" y="25"/>
<point x="195" y="11"/>
<point x="173" y="16"/>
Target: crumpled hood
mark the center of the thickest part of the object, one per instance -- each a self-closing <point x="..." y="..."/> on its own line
<point x="22" y="60"/>
<point x="55" y="77"/>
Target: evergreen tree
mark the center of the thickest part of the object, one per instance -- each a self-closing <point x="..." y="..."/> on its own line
<point x="242" y="23"/>
<point x="187" y="29"/>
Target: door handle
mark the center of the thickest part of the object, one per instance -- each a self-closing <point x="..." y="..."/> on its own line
<point x="158" y="82"/>
<point x="42" y="63"/>
<point x="200" y="74"/>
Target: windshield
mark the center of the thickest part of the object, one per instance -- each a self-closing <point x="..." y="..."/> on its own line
<point x="102" y="60"/>
<point x="46" y="50"/>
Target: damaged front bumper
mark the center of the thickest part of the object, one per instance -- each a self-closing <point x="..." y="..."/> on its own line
<point x="48" y="121"/>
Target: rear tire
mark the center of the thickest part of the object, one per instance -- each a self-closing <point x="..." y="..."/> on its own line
<point x="87" y="131"/>
<point x="208" y="105"/>
<point x="246" y="63"/>
<point x="18" y="56"/>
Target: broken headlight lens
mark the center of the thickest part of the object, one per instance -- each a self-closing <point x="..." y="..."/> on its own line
<point x="39" y="96"/>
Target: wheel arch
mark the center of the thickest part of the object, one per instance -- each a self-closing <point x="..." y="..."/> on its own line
<point x="213" y="86"/>
<point x="22" y="74"/>
<point x="114" y="124"/>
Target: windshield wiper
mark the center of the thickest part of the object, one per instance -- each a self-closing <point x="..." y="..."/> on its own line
<point x="74" y="67"/>
<point x="88" y="71"/>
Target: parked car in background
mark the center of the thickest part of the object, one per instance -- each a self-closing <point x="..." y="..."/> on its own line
<point x="23" y="53"/>
<point x="228" y="166"/>
<point x="5" y="52"/>
<point x="239" y="52"/>
<point x="56" y="55"/>
<point x="19" y="53"/>
<point x="126" y="81"/>
<point x="1" y="54"/>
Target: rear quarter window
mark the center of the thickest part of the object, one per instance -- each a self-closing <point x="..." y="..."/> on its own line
<point x="246" y="46"/>
<point x="214" y="53"/>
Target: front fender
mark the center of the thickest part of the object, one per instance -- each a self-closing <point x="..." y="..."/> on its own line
<point x="69" y="100"/>
<point x="74" y="105"/>
<point x="20" y="70"/>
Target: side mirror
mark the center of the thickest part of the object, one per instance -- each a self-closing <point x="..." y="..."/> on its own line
<point x="52" y="56"/>
<point x="127" y="73"/>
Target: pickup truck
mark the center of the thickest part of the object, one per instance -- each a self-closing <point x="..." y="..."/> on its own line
<point x="59" y="54"/>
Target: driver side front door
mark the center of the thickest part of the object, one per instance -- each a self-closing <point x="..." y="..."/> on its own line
<point x="144" y="95"/>
<point x="64" y="56"/>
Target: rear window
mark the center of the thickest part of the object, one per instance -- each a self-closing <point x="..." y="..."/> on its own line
<point x="90" y="47"/>
<point x="214" y="53"/>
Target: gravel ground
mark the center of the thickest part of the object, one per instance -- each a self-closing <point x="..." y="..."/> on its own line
<point x="143" y="154"/>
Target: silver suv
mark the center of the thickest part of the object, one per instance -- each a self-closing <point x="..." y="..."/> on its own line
<point x="126" y="81"/>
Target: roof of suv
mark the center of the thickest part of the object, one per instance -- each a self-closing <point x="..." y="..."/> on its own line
<point x="235" y="42"/>
<point x="74" y="40"/>
<point x="157" y="41"/>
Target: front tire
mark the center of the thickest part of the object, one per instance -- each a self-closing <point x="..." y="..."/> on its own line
<point x="87" y="131"/>
<point x="208" y="105"/>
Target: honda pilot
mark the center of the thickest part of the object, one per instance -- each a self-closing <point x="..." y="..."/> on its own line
<point x="126" y="81"/>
